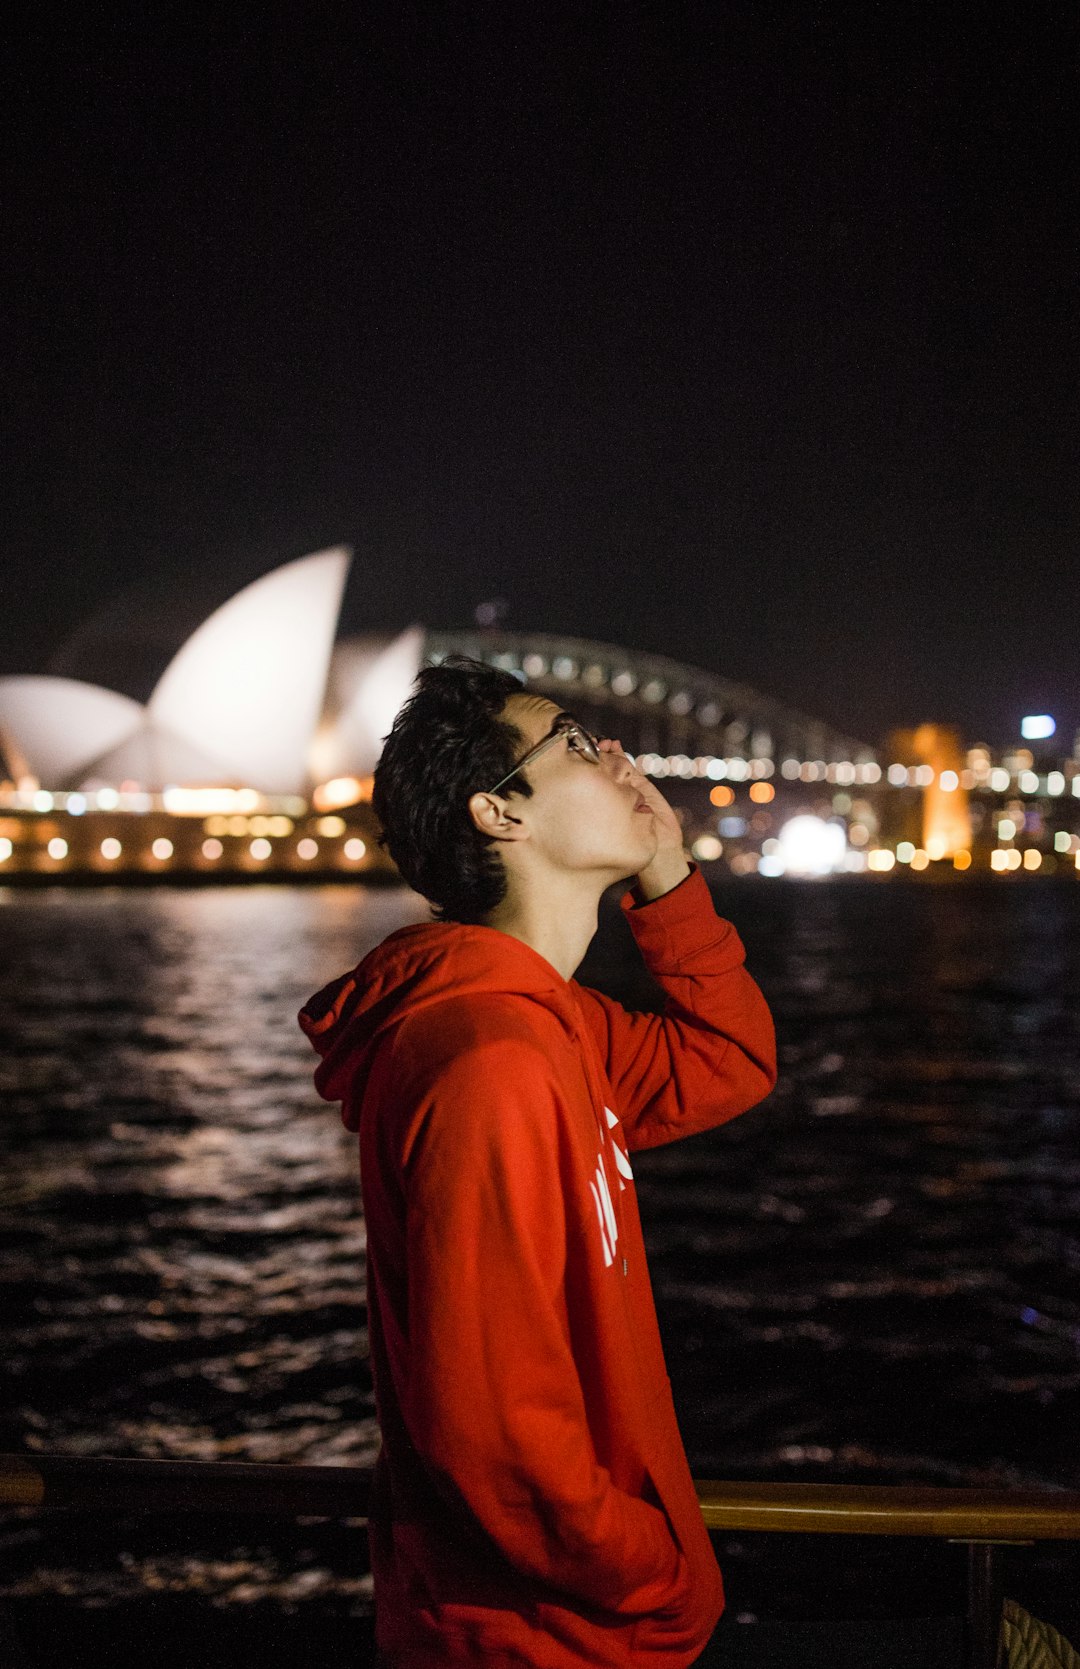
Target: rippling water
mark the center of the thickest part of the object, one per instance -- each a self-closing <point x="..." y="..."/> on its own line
<point x="871" y="1277"/>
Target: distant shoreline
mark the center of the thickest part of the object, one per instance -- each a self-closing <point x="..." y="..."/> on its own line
<point x="73" y="881"/>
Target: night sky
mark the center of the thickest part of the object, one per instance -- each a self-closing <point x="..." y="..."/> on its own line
<point x="741" y="333"/>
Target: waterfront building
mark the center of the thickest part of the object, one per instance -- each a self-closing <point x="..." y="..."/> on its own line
<point x="944" y="827"/>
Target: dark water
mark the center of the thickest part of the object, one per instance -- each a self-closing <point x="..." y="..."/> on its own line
<point x="871" y="1277"/>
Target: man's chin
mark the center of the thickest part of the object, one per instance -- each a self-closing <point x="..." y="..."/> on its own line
<point x="642" y="861"/>
<point x="653" y="847"/>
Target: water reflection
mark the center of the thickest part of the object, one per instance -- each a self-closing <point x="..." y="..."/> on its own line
<point x="873" y="1276"/>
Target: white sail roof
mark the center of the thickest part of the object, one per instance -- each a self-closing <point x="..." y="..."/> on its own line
<point x="155" y="759"/>
<point x="246" y="689"/>
<point x="60" y="725"/>
<point x="238" y="704"/>
<point x="370" y="680"/>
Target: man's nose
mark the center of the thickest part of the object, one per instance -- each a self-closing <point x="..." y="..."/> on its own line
<point x="618" y="764"/>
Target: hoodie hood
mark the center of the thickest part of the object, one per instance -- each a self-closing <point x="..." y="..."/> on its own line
<point x="414" y="969"/>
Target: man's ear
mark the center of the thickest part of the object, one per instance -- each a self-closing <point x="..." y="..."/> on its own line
<point x="491" y="817"/>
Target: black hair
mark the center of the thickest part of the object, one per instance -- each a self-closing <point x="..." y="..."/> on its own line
<point x="448" y="742"/>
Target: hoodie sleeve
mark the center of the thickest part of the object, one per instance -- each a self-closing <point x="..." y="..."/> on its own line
<point x="487" y="1253"/>
<point x="712" y="1052"/>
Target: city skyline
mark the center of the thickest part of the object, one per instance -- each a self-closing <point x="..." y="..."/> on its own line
<point x="264" y="693"/>
<point x="128" y="644"/>
<point x="266" y="726"/>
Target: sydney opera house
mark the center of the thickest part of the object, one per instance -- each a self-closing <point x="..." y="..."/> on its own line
<point x="253" y="756"/>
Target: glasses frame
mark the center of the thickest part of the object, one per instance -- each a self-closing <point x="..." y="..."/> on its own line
<point x="578" y="738"/>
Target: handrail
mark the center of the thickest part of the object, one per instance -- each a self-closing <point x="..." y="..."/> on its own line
<point x="885" y="1510"/>
<point x="79" y="1484"/>
<point x="69" y="1483"/>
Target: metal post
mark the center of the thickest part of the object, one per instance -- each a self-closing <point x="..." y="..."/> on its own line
<point x="985" y="1596"/>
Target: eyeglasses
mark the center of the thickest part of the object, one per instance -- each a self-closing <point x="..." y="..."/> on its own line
<point x="577" y="739"/>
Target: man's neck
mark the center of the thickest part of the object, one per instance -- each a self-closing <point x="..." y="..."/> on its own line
<point x="558" y="919"/>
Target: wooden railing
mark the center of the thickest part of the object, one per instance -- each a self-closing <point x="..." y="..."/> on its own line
<point x="1002" y="1515"/>
<point x="985" y="1520"/>
<point x="61" y="1483"/>
<point x="54" y="1483"/>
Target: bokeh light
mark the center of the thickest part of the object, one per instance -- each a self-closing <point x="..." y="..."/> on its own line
<point x="808" y="845"/>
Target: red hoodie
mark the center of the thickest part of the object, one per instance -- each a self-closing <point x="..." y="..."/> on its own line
<point x="532" y="1502"/>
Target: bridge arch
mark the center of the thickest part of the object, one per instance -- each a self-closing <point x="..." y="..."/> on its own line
<point x="656" y="705"/>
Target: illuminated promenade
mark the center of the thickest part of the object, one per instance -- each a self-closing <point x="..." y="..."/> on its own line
<point x="253" y="760"/>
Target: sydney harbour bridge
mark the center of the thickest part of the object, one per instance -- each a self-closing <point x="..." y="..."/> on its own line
<point x="658" y="706"/>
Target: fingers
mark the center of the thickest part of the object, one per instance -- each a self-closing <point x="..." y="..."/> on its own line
<point x="621" y="759"/>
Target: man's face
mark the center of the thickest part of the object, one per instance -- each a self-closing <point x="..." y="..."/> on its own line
<point x="581" y="816"/>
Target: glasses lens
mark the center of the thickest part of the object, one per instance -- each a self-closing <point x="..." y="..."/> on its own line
<point x="583" y="743"/>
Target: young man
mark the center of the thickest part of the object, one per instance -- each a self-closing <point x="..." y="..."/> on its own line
<point x="532" y="1502"/>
